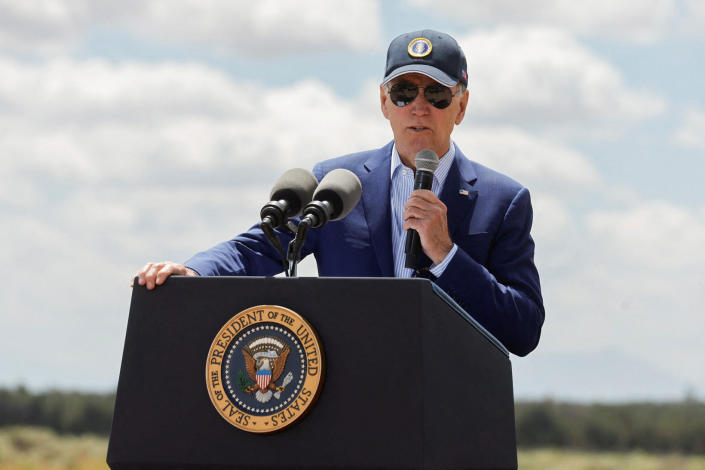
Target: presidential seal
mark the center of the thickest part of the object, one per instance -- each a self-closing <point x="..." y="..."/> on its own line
<point x="264" y="369"/>
<point x="419" y="47"/>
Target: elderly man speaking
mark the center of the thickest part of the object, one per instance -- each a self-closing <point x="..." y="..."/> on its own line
<point x="473" y="224"/>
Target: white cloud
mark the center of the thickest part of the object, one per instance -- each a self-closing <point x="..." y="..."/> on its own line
<point x="534" y="161"/>
<point x="96" y="121"/>
<point x="40" y="25"/>
<point x="691" y="132"/>
<point x="671" y="235"/>
<point x="634" y="281"/>
<point x="544" y="79"/>
<point x="267" y="26"/>
<point x="234" y="28"/>
<point x="693" y="19"/>
<point x="633" y="20"/>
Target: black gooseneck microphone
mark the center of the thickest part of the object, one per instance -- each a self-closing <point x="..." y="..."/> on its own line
<point x="426" y="162"/>
<point x="290" y="193"/>
<point x="336" y="195"/>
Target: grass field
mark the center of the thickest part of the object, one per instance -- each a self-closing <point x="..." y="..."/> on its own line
<point x="553" y="459"/>
<point x="23" y="448"/>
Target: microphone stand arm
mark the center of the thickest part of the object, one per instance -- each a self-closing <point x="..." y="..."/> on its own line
<point x="268" y="228"/>
<point x="293" y="253"/>
<point x="317" y="213"/>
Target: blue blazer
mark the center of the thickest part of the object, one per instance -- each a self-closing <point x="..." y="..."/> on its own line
<point x="492" y="275"/>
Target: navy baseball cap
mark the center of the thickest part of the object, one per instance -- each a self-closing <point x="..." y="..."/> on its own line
<point x="436" y="55"/>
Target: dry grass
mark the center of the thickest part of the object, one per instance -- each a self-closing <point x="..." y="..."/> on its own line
<point x="554" y="459"/>
<point x="25" y="448"/>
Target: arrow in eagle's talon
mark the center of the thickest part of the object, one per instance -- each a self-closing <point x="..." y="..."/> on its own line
<point x="289" y="377"/>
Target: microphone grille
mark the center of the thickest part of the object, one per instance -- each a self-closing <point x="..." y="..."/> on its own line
<point x="426" y="160"/>
<point x="297" y="186"/>
<point x="341" y="187"/>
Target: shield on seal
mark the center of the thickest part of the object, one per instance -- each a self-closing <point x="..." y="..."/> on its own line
<point x="263" y="378"/>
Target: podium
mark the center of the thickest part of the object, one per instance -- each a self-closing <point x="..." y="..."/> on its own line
<point x="411" y="380"/>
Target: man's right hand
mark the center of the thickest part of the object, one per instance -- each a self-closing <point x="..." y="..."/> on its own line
<point x="154" y="274"/>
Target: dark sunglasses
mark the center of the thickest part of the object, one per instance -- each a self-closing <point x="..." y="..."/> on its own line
<point x="403" y="93"/>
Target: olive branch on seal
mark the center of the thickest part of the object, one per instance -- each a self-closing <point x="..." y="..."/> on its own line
<point x="243" y="382"/>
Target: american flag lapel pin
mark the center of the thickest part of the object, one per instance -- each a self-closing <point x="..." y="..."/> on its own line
<point x="463" y="192"/>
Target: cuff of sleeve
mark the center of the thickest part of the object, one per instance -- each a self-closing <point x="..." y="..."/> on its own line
<point x="438" y="269"/>
<point x="192" y="270"/>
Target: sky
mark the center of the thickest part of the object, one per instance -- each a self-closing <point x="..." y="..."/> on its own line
<point x="145" y="130"/>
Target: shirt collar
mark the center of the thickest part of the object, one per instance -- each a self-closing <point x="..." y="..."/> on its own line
<point x="444" y="163"/>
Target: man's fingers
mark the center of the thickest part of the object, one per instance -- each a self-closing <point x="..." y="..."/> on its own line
<point x="166" y="270"/>
<point x="417" y="223"/>
<point x="155" y="274"/>
<point x="142" y="273"/>
<point x="414" y="212"/>
<point x="150" y="274"/>
<point x="162" y="274"/>
<point x="423" y="195"/>
<point x="421" y="209"/>
<point x="424" y="200"/>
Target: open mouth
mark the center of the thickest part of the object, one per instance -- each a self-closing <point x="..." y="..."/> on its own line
<point x="417" y="128"/>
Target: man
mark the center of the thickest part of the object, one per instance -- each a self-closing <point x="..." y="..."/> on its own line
<point x="474" y="225"/>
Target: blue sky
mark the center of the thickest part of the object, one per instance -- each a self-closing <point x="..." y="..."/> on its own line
<point x="136" y="131"/>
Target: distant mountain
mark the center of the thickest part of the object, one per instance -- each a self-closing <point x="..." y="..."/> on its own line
<point x="607" y="376"/>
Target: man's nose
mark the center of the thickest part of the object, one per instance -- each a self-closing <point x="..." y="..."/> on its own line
<point x="420" y="105"/>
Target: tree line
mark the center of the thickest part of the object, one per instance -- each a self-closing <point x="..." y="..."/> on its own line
<point x="64" y="412"/>
<point x="653" y="427"/>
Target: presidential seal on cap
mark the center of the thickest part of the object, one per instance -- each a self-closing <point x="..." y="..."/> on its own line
<point x="431" y="53"/>
<point x="264" y="369"/>
<point x="420" y="47"/>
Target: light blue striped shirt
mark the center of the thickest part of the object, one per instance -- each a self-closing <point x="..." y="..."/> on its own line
<point x="402" y="187"/>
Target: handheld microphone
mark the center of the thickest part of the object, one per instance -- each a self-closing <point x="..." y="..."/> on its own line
<point x="290" y="193"/>
<point x="338" y="193"/>
<point x="426" y="162"/>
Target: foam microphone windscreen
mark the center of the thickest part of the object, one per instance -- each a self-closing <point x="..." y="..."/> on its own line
<point x="295" y="186"/>
<point x="342" y="189"/>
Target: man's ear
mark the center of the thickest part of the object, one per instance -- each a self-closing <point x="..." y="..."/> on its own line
<point x="463" y="107"/>
<point x="383" y="100"/>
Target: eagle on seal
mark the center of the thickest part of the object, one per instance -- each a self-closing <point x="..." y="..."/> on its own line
<point x="267" y="366"/>
<point x="265" y="360"/>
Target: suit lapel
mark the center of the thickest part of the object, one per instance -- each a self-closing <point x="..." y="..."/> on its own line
<point x="458" y="194"/>
<point x="375" y="181"/>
